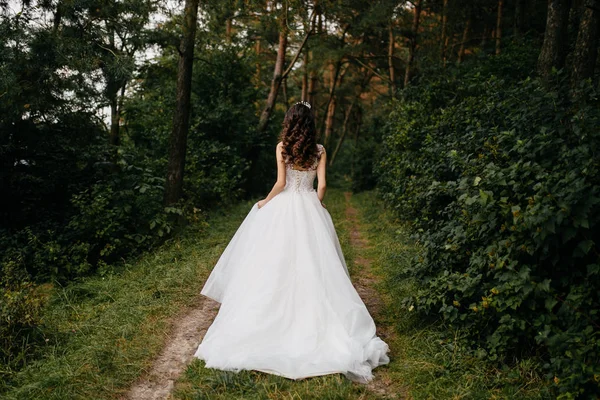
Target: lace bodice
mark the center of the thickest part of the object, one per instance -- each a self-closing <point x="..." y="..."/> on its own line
<point x="302" y="180"/>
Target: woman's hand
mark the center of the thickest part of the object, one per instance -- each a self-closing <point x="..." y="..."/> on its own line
<point x="261" y="203"/>
<point x="323" y="204"/>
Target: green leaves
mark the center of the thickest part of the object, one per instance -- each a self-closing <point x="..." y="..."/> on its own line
<point x="503" y="196"/>
<point x="583" y="248"/>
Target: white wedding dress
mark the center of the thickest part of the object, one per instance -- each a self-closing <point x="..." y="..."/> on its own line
<point x="288" y="306"/>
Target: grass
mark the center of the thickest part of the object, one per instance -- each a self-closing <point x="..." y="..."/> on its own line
<point x="423" y="358"/>
<point x="103" y="331"/>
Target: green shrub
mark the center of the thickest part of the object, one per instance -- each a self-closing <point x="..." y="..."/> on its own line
<point x="112" y="219"/>
<point x="20" y="316"/>
<point x="501" y="180"/>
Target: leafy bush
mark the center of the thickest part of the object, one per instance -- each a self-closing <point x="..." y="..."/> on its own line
<point x="113" y="218"/>
<point x="502" y="183"/>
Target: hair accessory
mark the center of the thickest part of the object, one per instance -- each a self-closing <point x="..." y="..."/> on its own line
<point x="305" y="103"/>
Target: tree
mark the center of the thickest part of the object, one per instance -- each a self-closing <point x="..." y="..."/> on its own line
<point x="465" y="38"/>
<point x="519" y="17"/>
<point x="111" y="34"/>
<point x="178" y="140"/>
<point x="278" y="74"/>
<point x="586" y="47"/>
<point x="554" y="48"/>
<point x="413" y="41"/>
<point x="391" y="46"/>
<point x="499" y="26"/>
<point x="444" y="37"/>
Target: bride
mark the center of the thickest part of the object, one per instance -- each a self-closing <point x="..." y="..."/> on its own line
<point x="288" y="306"/>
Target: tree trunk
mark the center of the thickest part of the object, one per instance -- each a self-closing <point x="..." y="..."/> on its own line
<point x="343" y="135"/>
<point x="57" y="17"/>
<point x="586" y="48"/>
<point x="391" y="46"/>
<point x="257" y="76"/>
<point x="444" y="39"/>
<point x="334" y="70"/>
<point x="276" y="82"/>
<point x="331" y="103"/>
<point x="465" y="38"/>
<point x="356" y="133"/>
<point x="312" y="82"/>
<point x="413" y="41"/>
<point x="114" y="120"/>
<point x="312" y="87"/>
<point x="484" y="36"/>
<point x="499" y="26"/>
<point x="228" y="26"/>
<point x="278" y="73"/>
<point x="329" y="120"/>
<point x="305" y="89"/>
<point x="554" y="49"/>
<point x="112" y="90"/>
<point x="286" y="100"/>
<point x="181" y="117"/>
<point x="519" y="14"/>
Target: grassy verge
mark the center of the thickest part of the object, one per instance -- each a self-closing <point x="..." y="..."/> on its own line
<point x="432" y="368"/>
<point x="102" y="332"/>
<point x="202" y="383"/>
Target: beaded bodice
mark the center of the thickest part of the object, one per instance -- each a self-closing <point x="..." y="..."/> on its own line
<point x="302" y="180"/>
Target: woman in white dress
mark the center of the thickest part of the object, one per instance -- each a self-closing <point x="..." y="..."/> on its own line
<point x="288" y="306"/>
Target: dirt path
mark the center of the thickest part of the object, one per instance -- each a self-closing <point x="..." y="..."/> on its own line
<point x="365" y="281"/>
<point x="186" y="333"/>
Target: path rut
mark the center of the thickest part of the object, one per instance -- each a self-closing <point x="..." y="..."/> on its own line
<point x="365" y="283"/>
<point x="186" y="333"/>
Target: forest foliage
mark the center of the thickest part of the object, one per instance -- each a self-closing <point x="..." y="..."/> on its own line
<point x="476" y="120"/>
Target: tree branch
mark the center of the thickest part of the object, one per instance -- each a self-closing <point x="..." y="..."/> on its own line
<point x="289" y="68"/>
<point x="371" y="69"/>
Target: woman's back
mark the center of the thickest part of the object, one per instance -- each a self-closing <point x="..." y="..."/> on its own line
<point x="302" y="180"/>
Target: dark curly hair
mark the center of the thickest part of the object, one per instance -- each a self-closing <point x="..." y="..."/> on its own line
<point x="299" y="136"/>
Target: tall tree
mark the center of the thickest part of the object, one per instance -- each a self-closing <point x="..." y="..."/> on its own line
<point x="554" y="48"/>
<point x="499" y="26"/>
<point x="335" y="80"/>
<point x="278" y="74"/>
<point x="464" y="40"/>
<point x="519" y="17"/>
<point x="304" y="96"/>
<point x="413" y="41"/>
<point x="108" y="36"/>
<point x="586" y="47"/>
<point x="181" y="117"/>
<point x="444" y="38"/>
<point x="364" y="82"/>
<point x="391" y="46"/>
<point x="312" y="81"/>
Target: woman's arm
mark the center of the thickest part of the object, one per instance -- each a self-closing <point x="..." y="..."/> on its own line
<point x="280" y="183"/>
<point x="322" y="182"/>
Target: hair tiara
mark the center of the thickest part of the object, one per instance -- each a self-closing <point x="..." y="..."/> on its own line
<point x="305" y="103"/>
